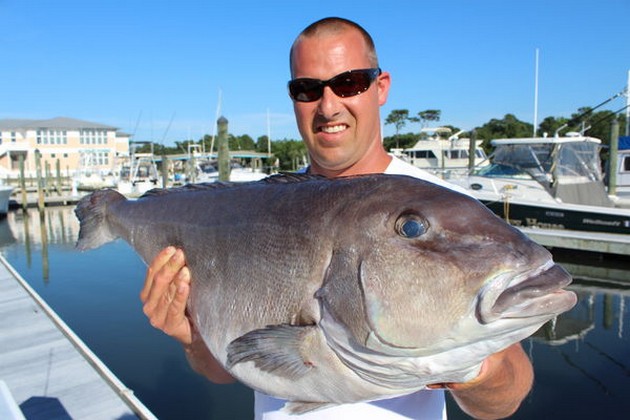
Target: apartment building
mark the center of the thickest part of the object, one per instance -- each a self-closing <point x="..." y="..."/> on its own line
<point x="74" y="143"/>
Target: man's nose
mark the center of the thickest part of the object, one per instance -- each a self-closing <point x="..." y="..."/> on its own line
<point x="329" y="103"/>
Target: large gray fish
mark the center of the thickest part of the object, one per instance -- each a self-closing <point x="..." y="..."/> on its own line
<point x="326" y="292"/>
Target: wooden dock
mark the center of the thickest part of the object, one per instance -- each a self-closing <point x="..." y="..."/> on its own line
<point x="48" y="371"/>
<point x="607" y="243"/>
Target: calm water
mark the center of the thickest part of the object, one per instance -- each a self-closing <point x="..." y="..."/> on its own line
<point x="582" y="363"/>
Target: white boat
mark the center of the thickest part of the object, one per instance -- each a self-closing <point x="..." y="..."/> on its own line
<point x="5" y="197"/>
<point x="138" y="175"/>
<point x="442" y="153"/>
<point x="207" y="171"/>
<point x="553" y="183"/>
<point x="90" y="176"/>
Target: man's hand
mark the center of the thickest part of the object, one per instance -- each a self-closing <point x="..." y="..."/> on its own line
<point x="164" y="295"/>
<point x="165" y="292"/>
<point x="504" y="381"/>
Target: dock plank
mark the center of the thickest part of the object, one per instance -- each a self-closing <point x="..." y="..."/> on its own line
<point x="49" y="372"/>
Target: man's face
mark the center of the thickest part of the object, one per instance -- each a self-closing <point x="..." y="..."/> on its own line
<point x="338" y="132"/>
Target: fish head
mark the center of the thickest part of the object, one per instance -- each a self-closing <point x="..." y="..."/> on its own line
<point x="437" y="269"/>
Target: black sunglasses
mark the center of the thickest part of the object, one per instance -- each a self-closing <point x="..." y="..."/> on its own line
<point x="349" y="83"/>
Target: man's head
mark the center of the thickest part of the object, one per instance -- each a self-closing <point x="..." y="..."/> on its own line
<point x="342" y="134"/>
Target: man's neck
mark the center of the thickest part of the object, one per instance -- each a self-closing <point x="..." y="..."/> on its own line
<point x="375" y="164"/>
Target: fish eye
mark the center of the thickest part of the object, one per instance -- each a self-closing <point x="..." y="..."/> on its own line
<point x="410" y="226"/>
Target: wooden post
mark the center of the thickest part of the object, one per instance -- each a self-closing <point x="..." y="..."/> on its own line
<point x="58" y="170"/>
<point x="48" y="185"/>
<point x="164" y="171"/>
<point x="224" y="150"/>
<point x="23" y="183"/>
<point x="40" y="180"/>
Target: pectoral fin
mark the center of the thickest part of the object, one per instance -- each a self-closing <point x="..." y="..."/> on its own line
<point x="281" y="349"/>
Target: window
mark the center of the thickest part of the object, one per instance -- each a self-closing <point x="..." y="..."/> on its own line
<point x="91" y="158"/>
<point x="52" y="137"/>
<point x="93" y="136"/>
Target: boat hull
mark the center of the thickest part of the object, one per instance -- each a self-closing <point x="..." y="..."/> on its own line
<point x="561" y="217"/>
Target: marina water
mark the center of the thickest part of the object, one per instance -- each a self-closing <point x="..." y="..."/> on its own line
<point x="581" y="360"/>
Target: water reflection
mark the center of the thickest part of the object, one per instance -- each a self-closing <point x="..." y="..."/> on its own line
<point x="581" y="359"/>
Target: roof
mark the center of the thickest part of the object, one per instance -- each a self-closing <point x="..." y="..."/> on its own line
<point x="63" y="123"/>
<point x="545" y="140"/>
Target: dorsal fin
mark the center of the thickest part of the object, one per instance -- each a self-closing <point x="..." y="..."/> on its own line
<point x="280" y="178"/>
<point x="291" y="177"/>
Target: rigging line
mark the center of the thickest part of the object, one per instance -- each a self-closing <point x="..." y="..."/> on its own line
<point x="168" y="127"/>
<point x="575" y="120"/>
<point x="137" y="124"/>
<point x="612" y="114"/>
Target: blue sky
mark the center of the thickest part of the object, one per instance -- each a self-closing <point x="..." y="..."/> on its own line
<point x="155" y="68"/>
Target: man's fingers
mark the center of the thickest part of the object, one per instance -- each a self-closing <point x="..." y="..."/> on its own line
<point x="156" y="265"/>
<point x="176" y="322"/>
<point x="163" y="281"/>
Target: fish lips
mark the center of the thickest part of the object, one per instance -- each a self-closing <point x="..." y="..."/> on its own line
<point x="534" y="294"/>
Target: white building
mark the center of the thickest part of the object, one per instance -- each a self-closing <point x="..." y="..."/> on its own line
<point x="70" y="141"/>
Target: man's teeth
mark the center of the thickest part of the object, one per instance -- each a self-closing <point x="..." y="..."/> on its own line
<point x="333" y="129"/>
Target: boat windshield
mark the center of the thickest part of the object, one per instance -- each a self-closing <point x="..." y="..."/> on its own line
<point x="497" y="170"/>
<point x="554" y="162"/>
<point x="568" y="170"/>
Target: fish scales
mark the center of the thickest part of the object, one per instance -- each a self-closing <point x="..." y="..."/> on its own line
<point x="327" y="292"/>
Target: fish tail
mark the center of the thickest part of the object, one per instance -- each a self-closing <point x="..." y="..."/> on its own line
<point x="91" y="211"/>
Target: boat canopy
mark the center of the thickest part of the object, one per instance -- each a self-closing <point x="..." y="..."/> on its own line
<point x="569" y="168"/>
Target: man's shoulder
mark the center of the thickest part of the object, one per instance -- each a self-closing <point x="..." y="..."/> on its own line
<point x="399" y="167"/>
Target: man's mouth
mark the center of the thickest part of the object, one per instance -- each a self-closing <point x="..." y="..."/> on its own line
<point x="332" y="128"/>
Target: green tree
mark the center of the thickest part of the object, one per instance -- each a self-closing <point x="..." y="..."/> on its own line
<point x="290" y="154"/>
<point x="428" y="115"/>
<point x="550" y="125"/>
<point x="398" y="117"/>
<point x="262" y="144"/>
<point x="243" y="142"/>
<point x="508" y="127"/>
<point x="400" y="141"/>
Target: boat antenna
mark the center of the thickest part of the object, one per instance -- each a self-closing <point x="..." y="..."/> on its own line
<point x="536" y="95"/>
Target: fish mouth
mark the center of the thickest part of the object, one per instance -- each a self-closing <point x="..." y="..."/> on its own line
<point x="535" y="294"/>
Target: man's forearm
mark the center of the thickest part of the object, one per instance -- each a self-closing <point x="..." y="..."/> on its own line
<point x="204" y="363"/>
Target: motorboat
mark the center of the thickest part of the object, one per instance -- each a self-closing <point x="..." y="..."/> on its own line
<point x="548" y="182"/>
<point x="442" y="153"/>
<point x="91" y="175"/>
<point x="207" y="171"/>
<point x="138" y="175"/>
<point x="5" y="197"/>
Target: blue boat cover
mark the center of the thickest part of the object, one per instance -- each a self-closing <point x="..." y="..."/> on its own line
<point x="624" y="143"/>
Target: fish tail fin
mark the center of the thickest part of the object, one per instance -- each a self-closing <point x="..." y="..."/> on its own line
<point x="91" y="211"/>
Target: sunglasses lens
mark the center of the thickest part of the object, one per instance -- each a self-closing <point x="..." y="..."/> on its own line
<point x="306" y="90"/>
<point x="344" y="85"/>
<point x="350" y="84"/>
